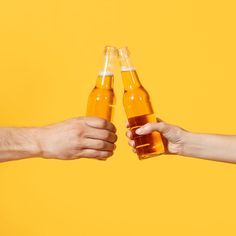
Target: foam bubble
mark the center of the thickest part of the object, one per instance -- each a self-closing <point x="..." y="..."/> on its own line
<point x="105" y="73"/>
<point x="127" y="68"/>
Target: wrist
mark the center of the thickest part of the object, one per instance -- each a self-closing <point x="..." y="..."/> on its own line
<point x="192" y="144"/>
<point x="40" y="137"/>
<point x="46" y="145"/>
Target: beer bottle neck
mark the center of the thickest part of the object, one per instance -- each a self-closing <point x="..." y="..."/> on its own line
<point x="130" y="78"/>
<point x="106" y="75"/>
<point x="105" y="80"/>
<point x="128" y="71"/>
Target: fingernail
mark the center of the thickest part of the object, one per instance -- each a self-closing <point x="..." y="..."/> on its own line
<point x="139" y="131"/>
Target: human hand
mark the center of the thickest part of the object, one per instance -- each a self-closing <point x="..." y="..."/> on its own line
<point x="89" y="137"/>
<point x="174" y="136"/>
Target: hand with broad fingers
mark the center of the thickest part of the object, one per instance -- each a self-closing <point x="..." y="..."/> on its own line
<point x="90" y="137"/>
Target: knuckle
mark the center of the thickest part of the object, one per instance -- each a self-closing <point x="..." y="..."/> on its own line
<point x="100" y="145"/>
<point x="106" y="135"/>
<point x="178" y="131"/>
<point x="103" y="123"/>
<point x="161" y="124"/>
<point x="79" y="144"/>
<point x="80" y="131"/>
<point x="148" y="126"/>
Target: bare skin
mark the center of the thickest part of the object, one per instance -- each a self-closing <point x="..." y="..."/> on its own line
<point x="181" y="142"/>
<point x="89" y="137"/>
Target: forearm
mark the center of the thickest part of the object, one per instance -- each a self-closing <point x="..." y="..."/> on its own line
<point x="213" y="147"/>
<point x="19" y="143"/>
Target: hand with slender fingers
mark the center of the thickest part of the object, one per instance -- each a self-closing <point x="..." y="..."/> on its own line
<point x="174" y="135"/>
<point x="89" y="137"/>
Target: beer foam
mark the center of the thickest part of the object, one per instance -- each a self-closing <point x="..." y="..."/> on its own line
<point x="105" y="73"/>
<point x="127" y="68"/>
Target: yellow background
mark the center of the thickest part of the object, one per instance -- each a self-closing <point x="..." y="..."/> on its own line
<point x="185" y="54"/>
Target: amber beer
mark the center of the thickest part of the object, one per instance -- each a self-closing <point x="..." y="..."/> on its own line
<point x="102" y="98"/>
<point x="138" y="109"/>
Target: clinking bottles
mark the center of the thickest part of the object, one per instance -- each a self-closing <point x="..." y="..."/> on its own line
<point x="138" y="109"/>
<point x="102" y="99"/>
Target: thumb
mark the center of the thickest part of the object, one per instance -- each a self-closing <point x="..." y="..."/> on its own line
<point x="148" y="128"/>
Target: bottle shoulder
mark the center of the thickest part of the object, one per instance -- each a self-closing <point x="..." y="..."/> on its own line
<point x="102" y="90"/>
<point x="137" y="92"/>
<point x="102" y="93"/>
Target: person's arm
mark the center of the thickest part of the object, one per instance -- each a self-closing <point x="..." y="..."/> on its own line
<point x="18" y="143"/>
<point x="181" y="142"/>
<point x="210" y="146"/>
<point x="79" y="137"/>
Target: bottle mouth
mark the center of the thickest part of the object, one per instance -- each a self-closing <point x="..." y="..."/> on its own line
<point x="123" y="52"/>
<point x="110" y="50"/>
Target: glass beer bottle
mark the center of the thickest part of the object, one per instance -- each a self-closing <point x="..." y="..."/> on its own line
<point x="102" y="98"/>
<point x="138" y="109"/>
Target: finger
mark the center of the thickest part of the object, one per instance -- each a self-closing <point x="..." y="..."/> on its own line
<point x="91" y="153"/>
<point x="127" y="124"/>
<point x="100" y="134"/>
<point x="131" y="143"/>
<point x="100" y="123"/>
<point x="134" y="150"/>
<point x="129" y="134"/>
<point x="150" y="127"/>
<point x="98" y="145"/>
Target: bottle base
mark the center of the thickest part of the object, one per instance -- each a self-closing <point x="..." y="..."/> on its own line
<point x="146" y="150"/>
<point x="149" y="155"/>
